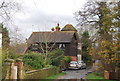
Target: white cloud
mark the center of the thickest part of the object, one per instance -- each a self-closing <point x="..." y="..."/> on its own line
<point x="44" y="14"/>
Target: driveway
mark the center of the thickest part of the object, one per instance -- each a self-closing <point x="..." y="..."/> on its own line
<point x="75" y="74"/>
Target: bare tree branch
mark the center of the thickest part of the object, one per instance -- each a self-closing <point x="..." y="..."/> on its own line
<point x="7" y="8"/>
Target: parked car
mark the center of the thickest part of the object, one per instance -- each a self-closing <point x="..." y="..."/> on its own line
<point x="83" y="65"/>
<point x="77" y="65"/>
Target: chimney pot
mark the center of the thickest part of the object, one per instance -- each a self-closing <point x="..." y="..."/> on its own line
<point x="58" y="24"/>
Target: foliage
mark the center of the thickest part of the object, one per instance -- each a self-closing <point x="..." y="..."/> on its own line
<point x="67" y="59"/>
<point x="5" y="37"/>
<point x="8" y="9"/>
<point x="102" y="15"/>
<point x="117" y="14"/>
<point x="86" y="44"/>
<point x="38" y="61"/>
<point x="56" y="56"/>
<point x="110" y="54"/>
<point x="106" y="18"/>
<point x="65" y="62"/>
<point x="33" y="60"/>
<point x="5" y="42"/>
<point x="94" y="76"/>
<point x="4" y="55"/>
<point x="85" y="34"/>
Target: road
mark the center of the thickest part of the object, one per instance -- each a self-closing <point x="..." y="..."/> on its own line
<point x="75" y="74"/>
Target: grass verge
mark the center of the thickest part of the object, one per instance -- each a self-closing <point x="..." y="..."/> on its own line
<point x="56" y="76"/>
<point x="94" y="77"/>
<point x="51" y="78"/>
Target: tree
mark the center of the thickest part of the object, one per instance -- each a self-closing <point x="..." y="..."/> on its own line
<point x="45" y="43"/>
<point x="5" y="37"/>
<point x="116" y="15"/>
<point x="109" y="54"/>
<point x="7" y="9"/>
<point x="86" y="44"/>
<point x="5" y="48"/>
<point x="46" y="46"/>
<point x="5" y="42"/>
<point x="105" y="16"/>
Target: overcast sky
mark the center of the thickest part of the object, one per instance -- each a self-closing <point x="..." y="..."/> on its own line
<point x="42" y="15"/>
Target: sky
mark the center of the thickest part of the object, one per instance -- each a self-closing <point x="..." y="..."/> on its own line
<point x="42" y="15"/>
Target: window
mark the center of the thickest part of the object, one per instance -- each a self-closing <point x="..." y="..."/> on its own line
<point x="62" y="46"/>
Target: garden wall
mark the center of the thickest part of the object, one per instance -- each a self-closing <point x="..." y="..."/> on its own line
<point x="42" y="73"/>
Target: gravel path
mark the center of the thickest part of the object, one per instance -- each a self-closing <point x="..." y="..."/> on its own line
<point x="75" y="74"/>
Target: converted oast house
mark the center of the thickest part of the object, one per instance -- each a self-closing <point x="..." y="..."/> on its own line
<point x="66" y="39"/>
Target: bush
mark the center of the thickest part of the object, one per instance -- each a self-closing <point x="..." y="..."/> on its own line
<point x="65" y="62"/>
<point x="56" y="56"/>
<point x="35" y="61"/>
<point x="86" y="58"/>
<point x="67" y="59"/>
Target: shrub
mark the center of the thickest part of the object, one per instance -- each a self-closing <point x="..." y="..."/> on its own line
<point x="33" y="60"/>
<point x="67" y="59"/>
<point x="56" y="56"/>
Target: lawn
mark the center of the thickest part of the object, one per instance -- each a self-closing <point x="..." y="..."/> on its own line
<point x="51" y="78"/>
<point x="94" y="77"/>
<point x="56" y="76"/>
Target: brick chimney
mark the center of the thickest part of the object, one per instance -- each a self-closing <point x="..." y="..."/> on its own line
<point x="58" y="24"/>
<point x="57" y="27"/>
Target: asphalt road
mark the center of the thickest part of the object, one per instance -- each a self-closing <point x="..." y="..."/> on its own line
<point x="75" y="74"/>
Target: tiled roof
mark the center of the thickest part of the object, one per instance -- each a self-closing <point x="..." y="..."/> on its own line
<point x="57" y="36"/>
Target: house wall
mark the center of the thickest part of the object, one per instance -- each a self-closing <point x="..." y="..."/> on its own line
<point x="71" y="48"/>
<point x="67" y="49"/>
<point x="39" y="50"/>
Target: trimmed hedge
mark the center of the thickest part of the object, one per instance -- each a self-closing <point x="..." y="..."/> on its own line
<point x="42" y="73"/>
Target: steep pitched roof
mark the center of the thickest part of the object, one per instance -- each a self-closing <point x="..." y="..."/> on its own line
<point x="60" y="36"/>
<point x="69" y="27"/>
